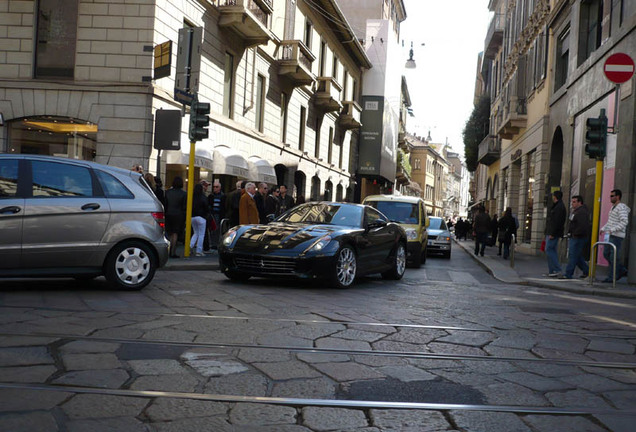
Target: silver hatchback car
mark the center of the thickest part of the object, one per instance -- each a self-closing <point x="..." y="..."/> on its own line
<point x="62" y="217"/>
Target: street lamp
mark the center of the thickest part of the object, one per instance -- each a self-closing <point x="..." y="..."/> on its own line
<point x="410" y="63"/>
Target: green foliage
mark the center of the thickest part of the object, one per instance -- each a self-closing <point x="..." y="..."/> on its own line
<point x="475" y="131"/>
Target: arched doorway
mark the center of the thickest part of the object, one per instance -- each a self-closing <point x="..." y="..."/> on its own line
<point x="300" y="181"/>
<point x="315" y="188"/>
<point x="328" y="191"/>
<point x="339" y="192"/>
<point x="556" y="163"/>
<point x="281" y="172"/>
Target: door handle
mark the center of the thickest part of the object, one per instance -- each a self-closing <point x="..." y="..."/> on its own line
<point x="10" y="210"/>
<point x="90" y="206"/>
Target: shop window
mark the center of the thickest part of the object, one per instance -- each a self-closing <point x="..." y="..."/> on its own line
<point x="527" y="226"/>
<point x="53" y="136"/>
<point x="56" y="38"/>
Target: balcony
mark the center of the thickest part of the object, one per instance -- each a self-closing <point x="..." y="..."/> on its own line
<point x="514" y="118"/>
<point x="403" y="169"/>
<point x="295" y="61"/>
<point x="350" y="115"/>
<point x="327" y="96"/>
<point x="489" y="150"/>
<point x="494" y="37"/>
<point x="247" y="18"/>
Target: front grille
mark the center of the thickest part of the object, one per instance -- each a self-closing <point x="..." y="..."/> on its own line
<point x="265" y="265"/>
<point x="432" y="237"/>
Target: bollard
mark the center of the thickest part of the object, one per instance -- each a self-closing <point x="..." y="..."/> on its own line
<point x="593" y="262"/>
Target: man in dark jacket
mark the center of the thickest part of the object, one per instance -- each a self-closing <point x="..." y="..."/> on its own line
<point x="554" y="231"/>
<point x="579" y="235"/>
<point x="232" y="203"/>
<point x="481" y="226"/>
<point x="286" y="201"/>
<point x="216" y="200"/>
<point x="259" y="198"/>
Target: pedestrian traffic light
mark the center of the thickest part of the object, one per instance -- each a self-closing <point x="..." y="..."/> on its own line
<point x="199" y="120"/>
<point x="596" y="136"/>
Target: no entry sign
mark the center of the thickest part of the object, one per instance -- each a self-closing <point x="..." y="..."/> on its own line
<point x="619" y="68"/>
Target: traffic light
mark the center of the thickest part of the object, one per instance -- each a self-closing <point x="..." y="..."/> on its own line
<point x="596" y="136"/>
<point x="199" y="120"/>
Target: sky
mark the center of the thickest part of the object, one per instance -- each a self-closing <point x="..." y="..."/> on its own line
<point x="442" y="85"/>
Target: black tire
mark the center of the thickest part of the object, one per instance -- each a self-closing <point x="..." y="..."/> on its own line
<point x="236" y="276"/>
<point x="416" y="258"/>
<point x="130" y="265"/>
<point x="424" y="254"/>
<point x="447" y="255"/>
<point x="399" y="264"/>
<point x="345" y="269"/>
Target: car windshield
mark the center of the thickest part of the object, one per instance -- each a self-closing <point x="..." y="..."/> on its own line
<point x="321" y="213"/>
<point x="437" y="223"/>
<point x="396" y="211"/>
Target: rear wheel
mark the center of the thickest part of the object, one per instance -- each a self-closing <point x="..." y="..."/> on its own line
<point x="130" y="265"/>
<point x="346" y="267"/>
<point x="416" y="258"/>
<point x="399" y="264"/>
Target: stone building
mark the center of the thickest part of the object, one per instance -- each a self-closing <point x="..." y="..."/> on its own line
<point x="283" y="79"/>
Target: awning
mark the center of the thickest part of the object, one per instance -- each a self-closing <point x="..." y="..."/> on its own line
<point x="229" y="162"/>
<point x="261" y="170"/>
<point x="202" y="157"/>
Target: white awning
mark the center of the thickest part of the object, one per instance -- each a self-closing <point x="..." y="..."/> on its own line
<point x="229" y="162"/>
<point x="261" y="170"/>
<point x="202" y="157"/>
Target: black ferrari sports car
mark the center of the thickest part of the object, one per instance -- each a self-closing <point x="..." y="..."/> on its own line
<point x="318" y="240"/>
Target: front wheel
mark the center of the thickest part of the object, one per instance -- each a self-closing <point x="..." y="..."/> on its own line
<point x="399" y="264"/>
<point x="345" y="269"/>
<point x="130" y="265"/>
<point x="416" y="259"/>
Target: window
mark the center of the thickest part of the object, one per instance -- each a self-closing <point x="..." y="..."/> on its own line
<point x="301" y="129"/>
<point x="56" y="38"/>
<point x="334" y="69"/>
<point x="51" y="179"/>
<point x="8" y="178"/>
<point x="228" y="85"/>
<point x="283" y="117"/>
<point x="341" y="155"/>
<point x="113" y="188"/>
<point x="317" y="146"/>
<point x="589" y="28"/>
<point x="260" y="102"/>
<point x="371" y="215"/>
<point x="323" y="56"/>
<point x="561" y="61"/>
<point x="541" y="57"/>
<point x="308" y="33"/>
<point x="354" y="90"/>
<point x="330" y="148"/>
<point x="345" y="86"/>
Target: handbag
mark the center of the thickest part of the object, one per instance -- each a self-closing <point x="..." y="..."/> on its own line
<point x="543" y="245"/>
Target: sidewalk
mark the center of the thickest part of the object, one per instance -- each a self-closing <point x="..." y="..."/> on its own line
<point x="528" y="270"/>
<point x="208" y="262"/>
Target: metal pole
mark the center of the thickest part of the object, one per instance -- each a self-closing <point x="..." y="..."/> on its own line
<point x="512" y="251"/>
<point x="188" y="232"/>
<point x="596" y="215"/>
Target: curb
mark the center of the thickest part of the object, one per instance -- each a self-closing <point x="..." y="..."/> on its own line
<point x="532" y="283"/>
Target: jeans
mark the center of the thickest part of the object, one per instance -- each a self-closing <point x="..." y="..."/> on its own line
<point x="198" y="226"/>
<point x="575" y="257"/>
<point x="480" y="240"/>
<point x="506" y="249"/>
<point x="608" y="252"/>
<point x="552" y="254"/>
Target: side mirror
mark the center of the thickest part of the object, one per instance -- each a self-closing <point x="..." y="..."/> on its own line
<point x="378" y="223"/>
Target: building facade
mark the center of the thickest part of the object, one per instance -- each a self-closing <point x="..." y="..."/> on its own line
<point x="283" y="79"/>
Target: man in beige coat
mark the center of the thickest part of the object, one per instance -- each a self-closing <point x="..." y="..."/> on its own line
<point x="248" y="212"/>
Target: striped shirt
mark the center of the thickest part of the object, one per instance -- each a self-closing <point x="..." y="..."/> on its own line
<point x="617" y="222"/>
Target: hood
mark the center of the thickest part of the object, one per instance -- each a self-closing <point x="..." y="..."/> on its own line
<point x="438" y="232"/>
<point x="280" y="236"/>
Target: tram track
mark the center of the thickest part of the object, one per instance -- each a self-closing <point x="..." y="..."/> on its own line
<point x="315" y="350"/>
<point x="598" y="335"/>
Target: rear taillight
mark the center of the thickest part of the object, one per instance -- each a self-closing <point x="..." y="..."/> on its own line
<point x="160" y="219"/>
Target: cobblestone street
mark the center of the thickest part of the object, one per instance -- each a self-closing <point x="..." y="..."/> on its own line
<point x="446" y="348"/>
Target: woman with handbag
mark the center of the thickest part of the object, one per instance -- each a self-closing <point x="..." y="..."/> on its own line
<point x="507" y="227"/>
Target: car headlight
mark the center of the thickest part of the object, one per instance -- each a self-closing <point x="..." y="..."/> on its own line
<point x="411" y="234"/>
<point x="320" y="244"/>
<point x="229" y="237"/>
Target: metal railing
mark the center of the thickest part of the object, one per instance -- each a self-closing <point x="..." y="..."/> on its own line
<point x="295" y="50"/>
<point x="513" y="242"/>
<point x="592" y="271"/>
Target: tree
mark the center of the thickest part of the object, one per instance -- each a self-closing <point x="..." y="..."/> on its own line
<point x="475" y="131"/>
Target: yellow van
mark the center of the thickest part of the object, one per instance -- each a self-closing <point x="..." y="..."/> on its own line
<point x="410" y="213"/>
